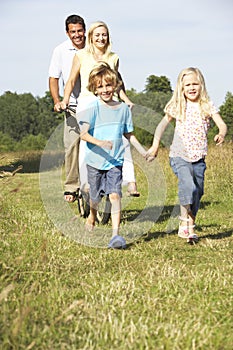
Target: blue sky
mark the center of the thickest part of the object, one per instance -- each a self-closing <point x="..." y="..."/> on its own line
<point x="150" y="36"/>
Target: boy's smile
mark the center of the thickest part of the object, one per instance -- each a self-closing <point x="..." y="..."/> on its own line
<point x="105" y="90"/>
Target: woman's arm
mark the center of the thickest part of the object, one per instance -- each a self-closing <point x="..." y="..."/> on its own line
<point x="74" y="74"/>
<point x="125" y="98"/>
<point x="121" y="92"/>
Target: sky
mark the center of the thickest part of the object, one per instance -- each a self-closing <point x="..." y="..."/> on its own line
<point x="151" y="37"/>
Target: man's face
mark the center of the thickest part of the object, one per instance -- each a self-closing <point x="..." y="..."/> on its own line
<point x="76" y="33"/>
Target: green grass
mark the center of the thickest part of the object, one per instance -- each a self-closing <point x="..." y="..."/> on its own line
<point x="160" y="293"/>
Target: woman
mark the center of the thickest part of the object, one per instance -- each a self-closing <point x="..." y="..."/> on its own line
<point x="98" y="48"/>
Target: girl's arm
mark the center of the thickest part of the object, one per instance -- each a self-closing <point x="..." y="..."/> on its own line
<point x="74" y="74"/>
<point x="219" y="138"/>
<point x="161" y="127"/>
<point x="85" y="136"/>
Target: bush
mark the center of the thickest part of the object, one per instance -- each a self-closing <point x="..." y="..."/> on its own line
<point x="7" y="143"/>
<point x="31" y="142"/>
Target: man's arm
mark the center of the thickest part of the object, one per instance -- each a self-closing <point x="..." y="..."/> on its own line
<point x="54" y="90"/>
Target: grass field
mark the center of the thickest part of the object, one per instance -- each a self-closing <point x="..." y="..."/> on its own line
<point x="159" y="293"/>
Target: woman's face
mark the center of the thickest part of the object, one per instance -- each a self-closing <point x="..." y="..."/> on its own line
<point x="100" y="37"/>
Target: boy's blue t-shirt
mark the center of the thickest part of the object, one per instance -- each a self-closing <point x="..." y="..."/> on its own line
<point x="106" y="123"/>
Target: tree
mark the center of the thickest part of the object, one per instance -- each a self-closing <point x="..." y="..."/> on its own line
<point x="23" y="115"/>
<point x="18" y="114"/>
<point x="158" y="84"/>
<point x="226" y="111"/>
<point x="47" y="119"/>
<point x="6" y="143"/>
<point x="31" y="142"/>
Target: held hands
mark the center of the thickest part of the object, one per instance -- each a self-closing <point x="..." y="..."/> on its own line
<point x="219" y="139"/>
<point x="151" y="154"/>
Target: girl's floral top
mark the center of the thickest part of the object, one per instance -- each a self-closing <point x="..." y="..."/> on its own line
<point x="190" y="136"/>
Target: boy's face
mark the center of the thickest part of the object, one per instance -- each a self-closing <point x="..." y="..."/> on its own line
<point x="105" y="90"/>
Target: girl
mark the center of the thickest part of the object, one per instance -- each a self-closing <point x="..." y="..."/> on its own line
<point x="102" y="126"/>
<point x="98" y="48"/>
<point x="192" y="110"/>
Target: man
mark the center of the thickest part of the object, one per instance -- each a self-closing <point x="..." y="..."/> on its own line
<point x="60" y="65"/>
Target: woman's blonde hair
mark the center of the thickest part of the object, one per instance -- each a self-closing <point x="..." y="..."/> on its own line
<point x="177" y="103"/>
<point x="103" y="71"/>
<point x="89" y="43"/>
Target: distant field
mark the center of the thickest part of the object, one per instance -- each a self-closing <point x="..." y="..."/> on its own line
<point x="159" y="294"/>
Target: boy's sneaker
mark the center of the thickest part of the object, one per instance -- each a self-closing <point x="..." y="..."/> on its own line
<point x="192" y="238"/>
<point x="117" y="242"/>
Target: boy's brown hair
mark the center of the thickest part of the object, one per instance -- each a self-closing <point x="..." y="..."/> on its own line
<point x="103" y="71"/>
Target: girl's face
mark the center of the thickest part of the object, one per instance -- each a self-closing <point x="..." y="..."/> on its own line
<point x="100" y="37"/>
<point x="191" y="87"/>
<point x="105" y="90"/>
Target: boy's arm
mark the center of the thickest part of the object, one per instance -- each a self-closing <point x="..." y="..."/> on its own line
<point x="134" y="141"/>
<point x="85" y="136"/>
<point x="219" y="138"/>
<point x="153" y="150"/>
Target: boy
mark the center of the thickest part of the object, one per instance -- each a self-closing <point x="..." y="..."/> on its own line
<point x="102" y="126"/>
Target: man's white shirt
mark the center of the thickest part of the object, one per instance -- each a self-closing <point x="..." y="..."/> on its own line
<point x="60" y="66"/>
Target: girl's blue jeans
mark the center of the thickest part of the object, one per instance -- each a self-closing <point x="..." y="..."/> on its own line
<point x="190" y="181"/>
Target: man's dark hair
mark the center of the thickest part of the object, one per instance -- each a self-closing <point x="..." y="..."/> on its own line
<point x="75" y="19"/>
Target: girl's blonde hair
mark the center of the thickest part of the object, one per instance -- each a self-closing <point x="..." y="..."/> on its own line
<point x="177" y="103"/>
<point x="103" y="71"/>
<point x="89" y="43"/>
